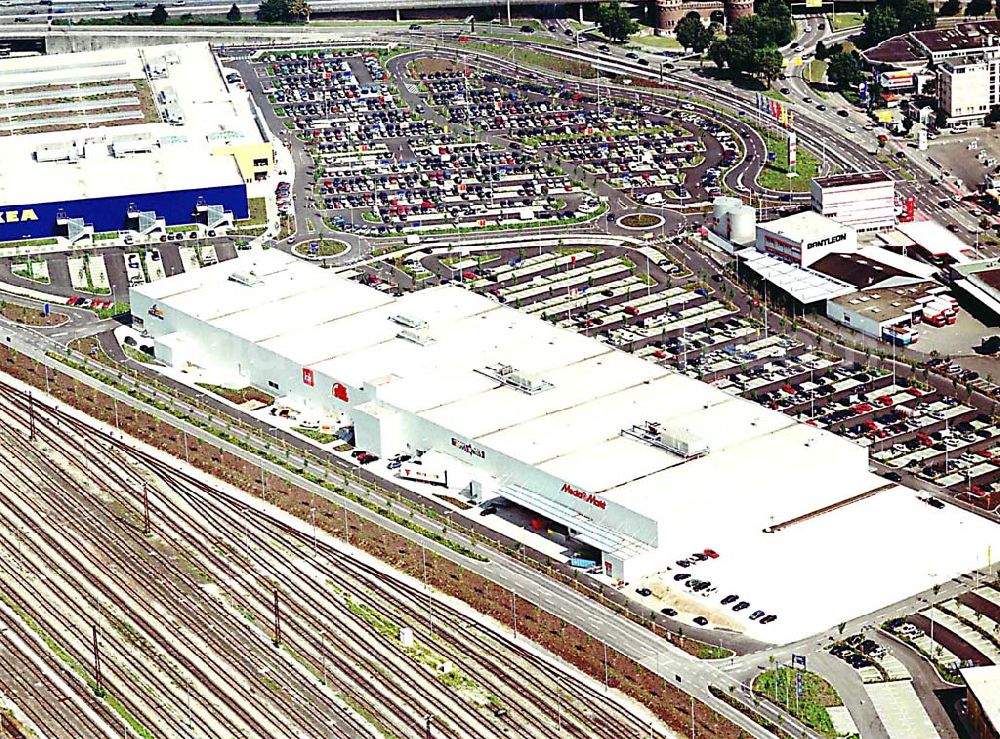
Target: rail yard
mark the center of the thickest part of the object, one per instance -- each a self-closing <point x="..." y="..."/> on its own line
<point x="227" y="619"/>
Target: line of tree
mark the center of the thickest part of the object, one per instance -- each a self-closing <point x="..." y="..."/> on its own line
<point x="160" y="16"/>
<point x="893" y="17"/>
<point x="752" y="46"/>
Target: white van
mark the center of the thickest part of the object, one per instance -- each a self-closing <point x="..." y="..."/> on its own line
<point x="654" y="198"/>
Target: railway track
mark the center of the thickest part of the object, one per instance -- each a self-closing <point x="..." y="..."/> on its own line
<point x="329" y="593"/>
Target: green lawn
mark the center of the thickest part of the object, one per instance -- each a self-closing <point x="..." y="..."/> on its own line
<point x="814" y="71"/>
<point x="775" y="95"/>
<point x="536" y="58"/>
<point x="658" y="42"/>
<point x="779" y="686"/>
<point x="847" y="20"/>
<point x="775" y="174"/>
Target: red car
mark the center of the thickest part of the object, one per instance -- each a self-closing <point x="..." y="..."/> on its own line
<point x="711" y="553"/>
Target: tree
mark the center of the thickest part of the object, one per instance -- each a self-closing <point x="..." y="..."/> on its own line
<point x="271" y="11"/>
<point x="235" y="15"/>
<point x="615" y="22"/>
<point x="688" y="30"/>
<point x="718" y="52"/>
<point x="822" y="52"/>
<point x="767" y="63"/>
<point x="916" y="15"/>
<point x="159" y="15"/>
<point x="298" y="10"/>
<point x="844" y="70"/>
<point x="950" y="7"/>
<point x="880" y="24"/>
<point x="978" y="7"/>
<point x="741" y="55"/>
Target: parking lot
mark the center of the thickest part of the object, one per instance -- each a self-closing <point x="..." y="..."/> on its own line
<point x="108" y="273"/>
<point x="659" y="157"/>
<point x="378" y="167"/>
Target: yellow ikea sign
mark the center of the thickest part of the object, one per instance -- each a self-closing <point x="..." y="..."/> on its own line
<point x="17" y="216"/>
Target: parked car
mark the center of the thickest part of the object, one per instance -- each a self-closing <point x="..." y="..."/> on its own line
<point x="644" y="592"/>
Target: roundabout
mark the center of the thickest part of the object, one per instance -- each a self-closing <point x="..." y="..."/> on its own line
<point x="641" y="221"/>
<point x="320" y="248"/>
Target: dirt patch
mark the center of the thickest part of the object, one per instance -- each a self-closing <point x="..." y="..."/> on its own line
<point x="430" y="66"/>
<point x="31" y="316"/>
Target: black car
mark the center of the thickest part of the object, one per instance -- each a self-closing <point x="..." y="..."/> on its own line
<point x="488" y="510"/>
<point x="894" y="476"/>
<point x="527" y="29"/>
<point x="644" y="592"/>
<point x="729" y="599"/>
<point x="668" y="612"/>
<point x="935" y="503"/>
<point x="644" y="62"/>
<point x="682" y="576"/>
<point x="604" y="47"/>
<point x="682" y="563"/>
<point x="769" y="619"/>
<point x="701" y="620"/>
<point x="742" y="605"/>
<point x="756" y="614"/>
<point x="632" y="55"/>
<point x="843" y="113"/>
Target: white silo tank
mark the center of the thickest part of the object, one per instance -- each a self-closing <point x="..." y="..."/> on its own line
<point x="743" y="224"/>
<point x="722" y="207"/>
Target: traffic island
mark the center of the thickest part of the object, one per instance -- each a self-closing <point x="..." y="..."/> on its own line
<point x="641" y="221"/>
<point x="320" y="248"/>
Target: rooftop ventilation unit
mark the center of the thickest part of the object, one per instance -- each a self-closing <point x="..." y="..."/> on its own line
<point x="137" y="144"/>
<point x="417" y="337"/>
<point x="62" y="151"/>
<point x="250" y="279"/>
<point x="504" y="373"/>
<point x="409" y="321"/>
<point x="677" y="441"/>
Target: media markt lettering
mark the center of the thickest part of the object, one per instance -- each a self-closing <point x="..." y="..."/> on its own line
<point x="468" y="448"/>
<point x="589" y="497"/>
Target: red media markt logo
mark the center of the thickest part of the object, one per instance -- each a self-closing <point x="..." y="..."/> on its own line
<point x="584" y="495"/>
<point x="340" y="392"/>
<point x="308" y="377"/>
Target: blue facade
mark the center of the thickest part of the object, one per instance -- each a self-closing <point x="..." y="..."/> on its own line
<point x="38" y="220"/>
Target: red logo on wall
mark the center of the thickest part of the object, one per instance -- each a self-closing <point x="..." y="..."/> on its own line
<point x="340" y="392"/>
<point x="583" y="495"/>
<point x="307" y="377"/>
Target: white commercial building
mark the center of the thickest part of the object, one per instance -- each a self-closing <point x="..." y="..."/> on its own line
<point x="804" y="237"/>
<point x="866" y="201"/>
<point x="643" y="464"/>
<point x="126" y="139"/>
<point x="965" y="92"/>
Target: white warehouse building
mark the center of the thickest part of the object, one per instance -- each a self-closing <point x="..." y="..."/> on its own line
<point x="560" y="420"/>
<point x="637" y="461"/>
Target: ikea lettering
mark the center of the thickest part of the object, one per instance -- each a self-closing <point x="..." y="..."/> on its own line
<point x="17" y="216"/>
<point x="582" y="495"/>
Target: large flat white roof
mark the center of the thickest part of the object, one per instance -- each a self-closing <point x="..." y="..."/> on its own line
<point x="214" y="114"/>
<point x="573" y="430"/>
<point x="804" y="226"/>
<point x="762" y="468"/>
